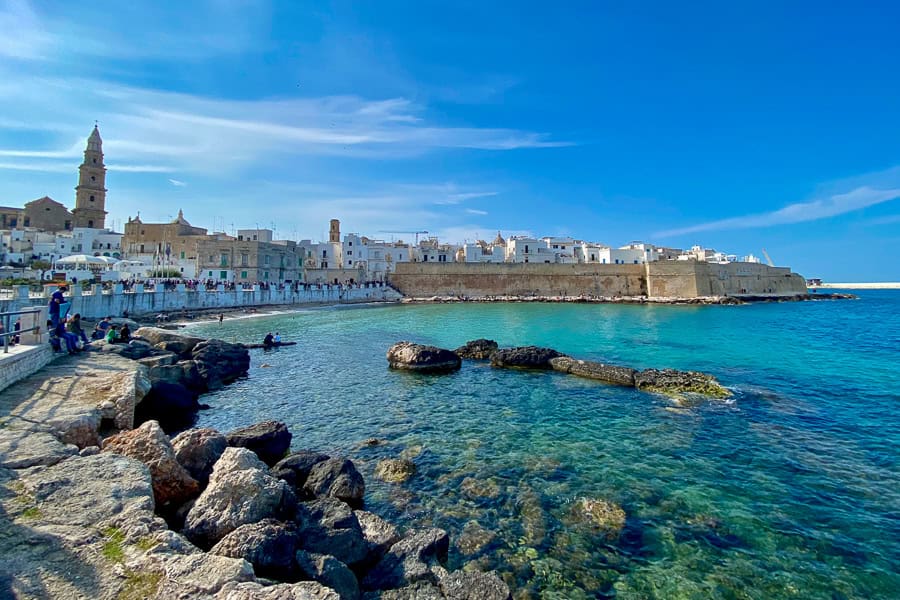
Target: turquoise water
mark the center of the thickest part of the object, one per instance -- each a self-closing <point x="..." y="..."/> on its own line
<point x="790" y="490"/>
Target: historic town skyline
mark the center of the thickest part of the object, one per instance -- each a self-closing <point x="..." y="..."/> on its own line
<point x="736" y="137"/>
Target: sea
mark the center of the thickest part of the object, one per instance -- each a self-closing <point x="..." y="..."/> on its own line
<point x="790" y="489"/>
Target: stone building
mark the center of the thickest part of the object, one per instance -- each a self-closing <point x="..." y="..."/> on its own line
<point x="45" y="214"/>
<point x="244" y="260"/>
<point x="171" y="245"/>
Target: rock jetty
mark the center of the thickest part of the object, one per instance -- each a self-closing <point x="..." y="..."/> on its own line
<point x="670" y="382"/>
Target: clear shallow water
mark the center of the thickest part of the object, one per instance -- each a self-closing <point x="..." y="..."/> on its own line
<point x="790" y="491"/>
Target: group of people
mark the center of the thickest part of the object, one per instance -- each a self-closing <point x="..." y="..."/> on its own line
<point x="67" y="333"/>
<point x="272" y="341"/>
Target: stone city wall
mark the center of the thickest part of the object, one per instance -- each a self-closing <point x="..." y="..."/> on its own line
<point x="95" y="304"/>
<point x="663" y="279"/>
<point x="21" y="363"/>
<point x="518" y="279"/>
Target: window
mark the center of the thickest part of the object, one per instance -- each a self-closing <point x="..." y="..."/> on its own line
<point x="92" y="199"/>
<point x="211" y="258"/>
<point x="90" y="223"/>
<point x="93" y="178"/>
<point x="350" y="252"/>
<point x="245" y="258"/>
<point x="210" y="274"/>
<point x="324" y="254"/>
<point x="349" y="243"/>
<point x="94" y="160"/>
<point x="224" y="260"/>
<point x="267" y="260"/>
<point x="349" y="263"/>
<point x="223" y="274"/>
<point x="182" y="254"/>
<point x="526" y="249"/>
<point x="243" y="274"/>
<point x="142" y="248"/>
<point x="266" y="275"/>
<point x="592" y="258"/>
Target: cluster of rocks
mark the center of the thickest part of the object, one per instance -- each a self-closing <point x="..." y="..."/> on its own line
<point x="430" y="359"/>
<point x="291" y="517"/>
<point x="180" y="367"/>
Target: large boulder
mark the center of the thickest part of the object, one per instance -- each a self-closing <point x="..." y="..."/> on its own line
<point x="594" y="370"/>
<point x="525" y="357"/>
<point x="270" y="440"/>
<point x="480" y="349"/>
<point x="472" y="585"/>
<point x="172" y="484"/>
<point x="330" y="527"/>
<point x="240" y="491"/>
<point x="220" y="362"/>
<point x="337" y="478"/>
<point x="295" y="468"/>
<point x="172" y="405"/>
<point x="410" y="560"/>
<point x="269" y="546"/>
<point x="673" y="382"/>
<point x="379" y="534"/>
<point x="330" y="572"/>
<point x="181" y="343"/>
<point x="423" y="359"/>
<point x="197" y="450"/>
<point x="303" y="590"/>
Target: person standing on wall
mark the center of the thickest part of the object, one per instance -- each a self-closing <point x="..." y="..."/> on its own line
<point x="56" y="301"/>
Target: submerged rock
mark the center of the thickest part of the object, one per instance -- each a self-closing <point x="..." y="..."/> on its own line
<point x="671" y="381"/>
<point x="606" y="516"/>
<point x="525" y="357"/>
<point x="462" y="585"/>
<point x="474" y="538"/>
<point x="424" y="359"/>
<point x="395" y="470"/>
<point x="270" y="440"/>
<point x="480" y="349"/>
<point x="594" y="370"/>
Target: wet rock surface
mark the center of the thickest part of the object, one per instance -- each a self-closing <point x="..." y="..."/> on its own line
<point x="295" y="468"/>
<point x="337" y="478"/>
<point x="395" y="470"/>
<point x="220" y="362"/>
<point x="480" y="349"/>
<point x="524" y="357"/>
<point x="671" y="381"/>
<point x="423" y="359"/>
<point x="594" y="370"/>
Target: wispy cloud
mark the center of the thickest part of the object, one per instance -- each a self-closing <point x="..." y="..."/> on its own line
<point x="886" y="220"/>
<point x="821" y="208"/>
<point x="177" y="183"/>
<point x="475" y="211"/>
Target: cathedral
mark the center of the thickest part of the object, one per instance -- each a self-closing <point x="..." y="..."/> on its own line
<point x="46" y="214"/>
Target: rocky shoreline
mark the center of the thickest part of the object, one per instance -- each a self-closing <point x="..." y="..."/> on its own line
<point x="701" y="300"/>
<point x="203" y="514"/>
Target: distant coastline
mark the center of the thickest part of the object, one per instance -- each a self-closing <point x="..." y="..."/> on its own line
<point x="885" y="285"/>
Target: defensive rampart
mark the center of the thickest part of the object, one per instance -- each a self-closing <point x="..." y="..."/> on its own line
<point x="518" y="279"/>
<point x="664" y="279"/>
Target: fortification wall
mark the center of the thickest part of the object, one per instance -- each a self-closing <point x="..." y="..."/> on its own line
<point x="663" y="279"/>
<point x="518" y="279"/>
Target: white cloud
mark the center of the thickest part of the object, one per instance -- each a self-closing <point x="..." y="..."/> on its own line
<point x="177" y="183"/>
<point x="822" y="208"/>
<point x="475" y="211"/>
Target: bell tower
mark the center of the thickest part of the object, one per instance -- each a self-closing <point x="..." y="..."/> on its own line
<point x="90" y="194"/>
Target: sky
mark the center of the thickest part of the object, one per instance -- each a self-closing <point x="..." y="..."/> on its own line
<point x="732" y="125"/>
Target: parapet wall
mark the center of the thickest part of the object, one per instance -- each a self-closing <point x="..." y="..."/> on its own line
<point x="96" y="304"/>
<point x="663" y="279"/>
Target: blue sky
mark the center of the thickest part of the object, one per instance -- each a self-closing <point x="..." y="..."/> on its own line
<point x="734" y="125"/>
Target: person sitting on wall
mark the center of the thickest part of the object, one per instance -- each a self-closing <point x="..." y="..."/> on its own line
<point x="112" y="336"/>
<point x="62" y="337"/>
<point x="55" y="342"/>
<point x="73" y="326"/>
<point x="268" y="341"/>
<point x="101" y="328"/>
<point x="125" y="333"/>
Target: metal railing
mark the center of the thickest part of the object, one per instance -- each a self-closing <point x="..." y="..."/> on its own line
<point x="8" y="329"/>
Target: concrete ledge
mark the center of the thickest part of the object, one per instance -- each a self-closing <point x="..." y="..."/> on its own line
<point x="23" y="361"/>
